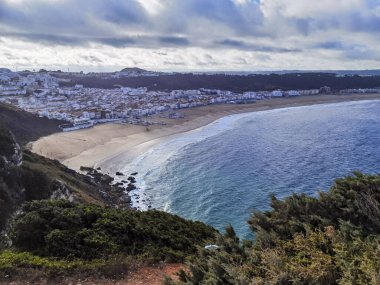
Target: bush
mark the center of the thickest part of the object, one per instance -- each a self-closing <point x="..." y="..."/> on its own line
<point x="65" y="229"/>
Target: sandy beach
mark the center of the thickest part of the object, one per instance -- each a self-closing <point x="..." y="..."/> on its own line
<point x="110" y="145"/>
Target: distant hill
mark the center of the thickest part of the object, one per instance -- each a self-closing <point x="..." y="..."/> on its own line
<point x="136" y="72"/>
<point x="5" y="70"/>
<point x="133" y="69"/>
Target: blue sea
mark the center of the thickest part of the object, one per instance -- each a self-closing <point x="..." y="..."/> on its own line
<point x="222" y="172"/>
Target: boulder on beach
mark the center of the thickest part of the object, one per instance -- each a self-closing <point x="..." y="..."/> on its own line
<point x="106" y="179"/>
<point x="130" y="187"/>
<point x="119" y="173"/>
<point x="134" y="173"/>
<point x="132" y="179"/>
<point x="85" y="168"/>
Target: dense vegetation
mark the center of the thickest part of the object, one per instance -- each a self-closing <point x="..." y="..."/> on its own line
<point x="236" y="83"/>
<point x="25" y="126"/>
<point x="333" y="239"/>
<point x="64" y="229"/>
<point x="56" y="239"/>
<point x="6" y="144"/>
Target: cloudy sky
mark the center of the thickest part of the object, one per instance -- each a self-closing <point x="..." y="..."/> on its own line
<point x="107" y="35"/>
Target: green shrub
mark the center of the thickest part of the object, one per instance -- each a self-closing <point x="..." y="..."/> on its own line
<point x="65" y="229"/>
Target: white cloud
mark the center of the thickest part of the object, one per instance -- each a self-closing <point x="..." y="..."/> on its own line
<point x="190" y="34"/>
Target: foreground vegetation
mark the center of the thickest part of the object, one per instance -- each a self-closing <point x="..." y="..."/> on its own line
<point x="60" y="237"/>
<point x="333" y="239"/>
<point x="71" y="230"/>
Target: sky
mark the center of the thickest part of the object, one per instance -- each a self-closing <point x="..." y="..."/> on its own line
<point x="189" y="35"/>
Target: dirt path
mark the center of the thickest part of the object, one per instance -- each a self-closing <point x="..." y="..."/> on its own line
<point x="150" y="275"/>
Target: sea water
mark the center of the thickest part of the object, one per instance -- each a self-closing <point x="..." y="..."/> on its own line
<point x="221" y="173"/>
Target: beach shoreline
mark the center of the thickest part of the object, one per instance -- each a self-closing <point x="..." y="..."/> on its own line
<point x="111" y="145"/>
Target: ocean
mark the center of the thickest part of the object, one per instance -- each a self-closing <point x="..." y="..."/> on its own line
<point x="221" y="173"/>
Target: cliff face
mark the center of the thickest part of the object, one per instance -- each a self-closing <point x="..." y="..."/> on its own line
<point x="11" y="154"/>
<point x="25" y="176"/>
<point x="11" y="190"/>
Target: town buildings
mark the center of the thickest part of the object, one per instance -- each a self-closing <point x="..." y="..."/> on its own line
<point x="42" y="94"/>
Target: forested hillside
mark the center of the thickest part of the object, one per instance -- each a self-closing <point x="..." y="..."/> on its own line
<point x="236" y="83"/>
<point x="25" y="126"/>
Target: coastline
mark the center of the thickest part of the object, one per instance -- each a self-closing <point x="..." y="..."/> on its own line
<point x="110" y="145"/>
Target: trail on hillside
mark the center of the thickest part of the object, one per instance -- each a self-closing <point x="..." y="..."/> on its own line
<point x="149" y="275"/>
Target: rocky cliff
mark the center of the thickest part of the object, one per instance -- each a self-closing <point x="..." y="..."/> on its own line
<point x="25" y="176"/>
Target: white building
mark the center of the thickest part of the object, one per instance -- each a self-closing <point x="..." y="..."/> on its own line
<point x="249" y="95"/>
<point x="291" y="93"/>
<point x="11" y="90"/>
<point x="309" y="92"/>
<point x="276" y="93"/>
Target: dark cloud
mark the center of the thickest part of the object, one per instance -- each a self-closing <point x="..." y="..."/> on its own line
<point x="183" y="23"/>
<point x="48" y="39"/>
<point x="342" y="46"/>
<point x="231" y="43"/>
<point x="330" y="45"/>
<point x="360" y="52"/>
<point x="350" y="51"/>
<point x="137" y="41"/>
<point x="120" y="12"/>
<point x="187" y="16"/>
<point x="117" y="42"/>
<point x="71" y="22"/>
<point x="303" y="25"/>
<point x="253" y="47"/>
<point x="116" y="22"/>
<point x="177" y="41"/>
